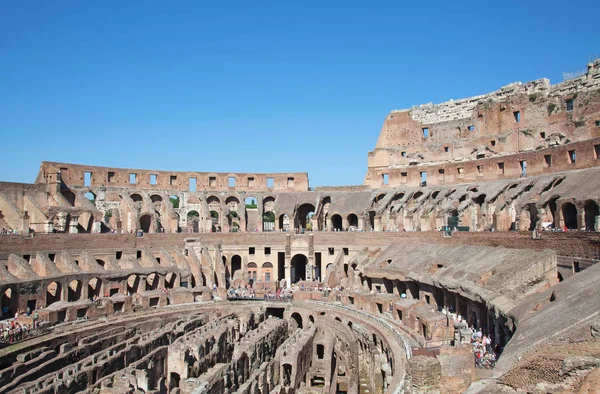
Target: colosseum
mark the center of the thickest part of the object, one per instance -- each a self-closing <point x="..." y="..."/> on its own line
<point x="465" y="262"/>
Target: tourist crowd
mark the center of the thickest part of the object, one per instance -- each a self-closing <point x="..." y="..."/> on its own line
<point x="13" y="330"/>
<point x="8" y="231"/>
<point x="485" y="355"/>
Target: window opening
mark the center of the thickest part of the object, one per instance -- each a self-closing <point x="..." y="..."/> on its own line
<point x="570" y="105"/>
<point x="133" y="179"/>
<point x="192" y="184"/>
<point x="87" y="179"/>
<point x="153" y="179"/>
<point x="517" y="115"/>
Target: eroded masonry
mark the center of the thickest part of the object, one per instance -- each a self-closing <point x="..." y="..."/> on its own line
<point x="468" y="256"/>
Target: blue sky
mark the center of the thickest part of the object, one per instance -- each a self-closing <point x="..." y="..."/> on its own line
<point x="257" y="86"/>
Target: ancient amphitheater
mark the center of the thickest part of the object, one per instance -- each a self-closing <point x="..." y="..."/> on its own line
<point x="142" y="281"/>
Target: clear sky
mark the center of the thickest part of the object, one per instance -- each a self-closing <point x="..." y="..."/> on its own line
<point x="257" y="86"/>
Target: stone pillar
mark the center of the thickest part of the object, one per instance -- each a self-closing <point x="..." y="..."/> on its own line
<point x="85" y="294"/>
<point x="25" y="223"/>
<point x="64" y="292"/>
<point x="261" y="211"/>
<point x="329" y="224"/>
<point x="288" y="277"/>
<point x="361" y="223"/>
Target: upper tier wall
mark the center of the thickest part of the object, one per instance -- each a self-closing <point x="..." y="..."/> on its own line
<point x="516" y="118"/>
<point x="74" y="175"/>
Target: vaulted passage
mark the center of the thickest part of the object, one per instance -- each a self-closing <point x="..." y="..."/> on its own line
<point x="298" y="268"/>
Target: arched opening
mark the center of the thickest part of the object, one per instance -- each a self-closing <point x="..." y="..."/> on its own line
<point x="133" y="284"/>
<point x="284" y="223"/>
<point x="236" y="264"/>
<point x="174" y="201"/>
<point x="591" y="211"/>
<point x="251" y="213"/>
<point x="533" y="216"/>
<point x="304" y="215"/>
<point x="156" y="198"/>
<point x="9" y="306"/>
<point x="269" y="214"/>
<point x="94" y="288"/>
<point x="336" y="222"/>
<point x="91" y="196"/>
<point x="372" y="220"/>
<point x="145" y="223"/>
<point x="298" y="268"/>
<point x="267" y="271"/>
<point x="173" y="381"/>
<point x="311" y="319"/>
<point x="101" y="263"/>
<point x="295" y="321"/>
<point x="152" y="282"/>
<point x="170" y="280"/>
<point x="136" y="197"/>
<point x="570" y="216"/>
<point x="387" y="284"/>
<point x="53" y="292"/>
<point x="74" y="293"/>
<point x="193" y="221"/>
<point x="69" y="196"/>
<point x="252" y="272"/>
<point x="352" y="221"/>
<point x="214" y="207"/>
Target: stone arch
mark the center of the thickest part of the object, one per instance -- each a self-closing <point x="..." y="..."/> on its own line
<point x="303" y="216"/>
<point x="170" y="280"/>
<point x="569" y="212"/>
<point x="236" y="264"/>
<point x="145" y="223"/>
<point x="152" y="281"/>
<point x="9" y="303"/>
<point x="336" y="222"/>
<point x="284" y="222"/>
<point x="174" y="199"/>
<point x="136" y="197"/>
<point x="74" y="292"/>
<point x="156" y="198"/>
<point x="298" y="268"/>
<point x="53" y="293"/>
<point x="94" y="288"/>
<point x="133" y="284"/>
<point x="591" y="211"/>
<point x="533" y="215"/>
<point x="296" y="321"/>
<point x="353" y="220"/>
<point x="193" y="221"/>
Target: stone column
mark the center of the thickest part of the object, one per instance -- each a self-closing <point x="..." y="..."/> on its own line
<point x="64" y="291"/>
<point x="261" y="211"/>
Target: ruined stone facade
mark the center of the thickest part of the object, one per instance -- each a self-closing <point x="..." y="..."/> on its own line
<point x="196" y="282"/>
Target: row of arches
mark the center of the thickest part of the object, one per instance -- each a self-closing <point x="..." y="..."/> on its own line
<point x="80" y="289"/>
